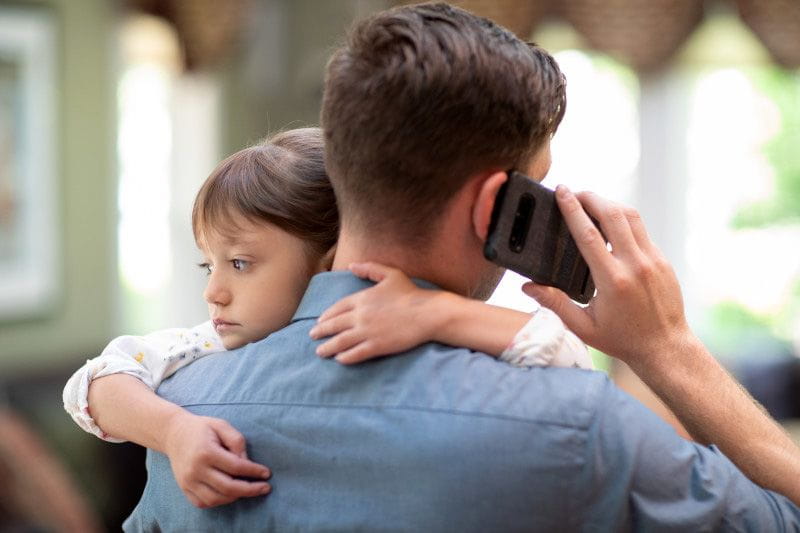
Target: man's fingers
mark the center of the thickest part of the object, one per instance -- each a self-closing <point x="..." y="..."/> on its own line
<point x="372" y="271"/>
<point x="613" y="219"/>
<point x="339" y="343"/>
<point x="573" y="316"/>
<point x="639" y="230"/>
<point x="332" y="326"/>
<point x="587" y="237"/>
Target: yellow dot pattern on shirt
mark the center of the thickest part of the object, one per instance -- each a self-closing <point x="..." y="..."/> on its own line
<point x="139" y="357"/>
<point x="208" y="344"/>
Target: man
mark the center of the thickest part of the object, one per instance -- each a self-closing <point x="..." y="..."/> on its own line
<point x="425" y="109"/>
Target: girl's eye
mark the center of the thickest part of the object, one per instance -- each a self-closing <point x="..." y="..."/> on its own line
<point x="240" y="264"/>
<point x="207" y="267"/>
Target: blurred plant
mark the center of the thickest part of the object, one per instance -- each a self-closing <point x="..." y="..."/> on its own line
<point x="734" y="329"/>
<point x="783" y="88"/>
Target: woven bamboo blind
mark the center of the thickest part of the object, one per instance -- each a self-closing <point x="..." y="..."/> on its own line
<point x="777" y="25"/>
<point x="643" y="33"/>
<point x="207" y="29"/>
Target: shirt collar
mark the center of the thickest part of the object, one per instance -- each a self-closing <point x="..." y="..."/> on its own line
<point x="327" y="288"/>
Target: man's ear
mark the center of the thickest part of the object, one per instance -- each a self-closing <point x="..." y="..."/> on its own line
<point x="484" y="203"/>
<point x="326" y="261"/>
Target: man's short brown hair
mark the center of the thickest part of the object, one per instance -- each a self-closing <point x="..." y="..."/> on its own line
<point x="422" y="97"/>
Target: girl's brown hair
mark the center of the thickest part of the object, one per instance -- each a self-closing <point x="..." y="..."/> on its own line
<point x="281" y="181"/>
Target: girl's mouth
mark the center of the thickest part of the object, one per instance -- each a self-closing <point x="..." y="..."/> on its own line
<point x="223" y="326"/>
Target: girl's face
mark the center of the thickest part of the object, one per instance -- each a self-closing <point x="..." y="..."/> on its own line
<point x="255" y="280"/>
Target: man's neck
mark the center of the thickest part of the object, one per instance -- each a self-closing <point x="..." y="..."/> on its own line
<point x="415" y="262"/>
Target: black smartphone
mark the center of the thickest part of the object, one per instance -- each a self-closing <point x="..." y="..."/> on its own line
<point x="527" y="234"/>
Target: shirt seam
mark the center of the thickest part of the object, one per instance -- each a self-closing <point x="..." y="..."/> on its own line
<point x="398" y="408"/>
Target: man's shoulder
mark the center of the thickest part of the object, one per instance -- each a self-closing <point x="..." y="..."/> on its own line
<point x="283" y="369"/>
<point x="478" y="383"/>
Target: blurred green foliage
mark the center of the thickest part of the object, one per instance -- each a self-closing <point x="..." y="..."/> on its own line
<point x="782" y="151"/>
<point x="733" y="329"/>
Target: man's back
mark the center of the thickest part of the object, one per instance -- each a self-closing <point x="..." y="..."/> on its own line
<point x="441" y="439"/>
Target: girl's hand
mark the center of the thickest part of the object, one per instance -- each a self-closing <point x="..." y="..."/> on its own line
<point x="393" y="316"/>
<point x="207" y="455"/>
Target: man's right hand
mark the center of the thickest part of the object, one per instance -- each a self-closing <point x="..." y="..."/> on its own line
<point x="207" y="456"/>
<point x="637" y="315"/>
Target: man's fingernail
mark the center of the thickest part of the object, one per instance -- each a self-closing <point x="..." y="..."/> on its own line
<point x="312" y="332"/>
<point x="563" y="192"/>
<point x="266" y="490"/>
<point x="266" y="474"/>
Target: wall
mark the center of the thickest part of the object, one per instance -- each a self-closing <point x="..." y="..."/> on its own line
<point x="275" y="83"/>
<point x="82" y="319"/>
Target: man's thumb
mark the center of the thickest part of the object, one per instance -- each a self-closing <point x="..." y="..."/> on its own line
<point x="546" y="296"/>
<point x="558" y="302"/>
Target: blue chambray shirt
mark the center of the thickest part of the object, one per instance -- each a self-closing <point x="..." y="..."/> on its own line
<point x="444" y="439"/>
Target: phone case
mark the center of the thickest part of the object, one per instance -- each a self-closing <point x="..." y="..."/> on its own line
<point x="528" y="235"/>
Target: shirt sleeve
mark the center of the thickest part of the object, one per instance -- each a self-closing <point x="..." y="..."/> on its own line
<point x="150" y="358"/>
<point x="545" y="341"/>
<point x="639" y="471"/>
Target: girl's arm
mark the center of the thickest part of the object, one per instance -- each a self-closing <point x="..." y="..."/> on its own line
<point x="150" y="358"/>
<point x="206" y="454"/>
<point x="112" y="396"/>
<point x="396" y="315"/>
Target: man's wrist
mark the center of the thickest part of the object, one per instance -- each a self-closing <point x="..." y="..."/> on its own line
<point x="680" y="351"/>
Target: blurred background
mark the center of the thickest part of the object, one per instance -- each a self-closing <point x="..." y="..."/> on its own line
<point x="112" y="113"/>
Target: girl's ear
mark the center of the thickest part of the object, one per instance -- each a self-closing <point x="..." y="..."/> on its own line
<point x="326" y="261"/>
<point x="484" y="203"/>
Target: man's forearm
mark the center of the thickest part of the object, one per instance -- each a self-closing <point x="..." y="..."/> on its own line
<point x="638" y="317"/>
<point x="715" y="409"/>
<point x="126" y="408"/>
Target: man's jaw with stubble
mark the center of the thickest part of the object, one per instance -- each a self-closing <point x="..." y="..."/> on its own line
<point x="487" y="283"/>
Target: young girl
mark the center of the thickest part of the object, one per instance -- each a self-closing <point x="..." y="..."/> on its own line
<point x="266" y="222"/>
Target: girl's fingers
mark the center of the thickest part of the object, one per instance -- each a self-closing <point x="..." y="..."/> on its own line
<point x="339" y="343"/>
<point x="332" y="326"/>
<point x="193" y="498"/>
<point x="233" y="441"/>
<point x="342" y="306"/>
<point x="613" y="220"/>
<point x="208" y="496"/>
<point x="361" y="352"/>
<point x="230" y="489"/>
<point x="371" y="271"/>
<point x="236" y="466"/>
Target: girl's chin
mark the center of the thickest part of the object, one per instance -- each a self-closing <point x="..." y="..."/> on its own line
<point x="232" y="343"/>
<point x="232" y="340"/>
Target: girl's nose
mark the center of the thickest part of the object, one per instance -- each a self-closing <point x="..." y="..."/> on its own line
<point x="216" y="292"/>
